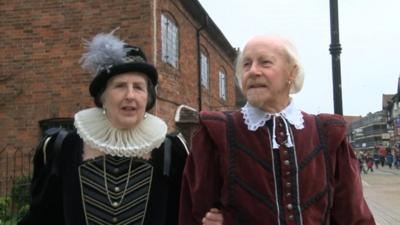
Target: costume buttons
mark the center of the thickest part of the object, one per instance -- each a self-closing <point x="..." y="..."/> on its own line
<point x="116" y="170"/>
<point x="289" y="206"/>
<point x="286" y="162"/>
<point x="281" y="134"/>
<point x="288" y="194"/>
<point x="115" y="219"/>
<point x="291" y="217"/>
<point x="288" y="184"/>
<point x="288" y="173"/>
<point x="285" y="152"/>
<point x="117" y="189"/>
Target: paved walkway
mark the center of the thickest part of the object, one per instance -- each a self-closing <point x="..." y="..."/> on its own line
<point x="382" y="192"/>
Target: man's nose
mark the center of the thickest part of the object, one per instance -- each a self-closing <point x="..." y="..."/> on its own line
<point x="254" y="69"/>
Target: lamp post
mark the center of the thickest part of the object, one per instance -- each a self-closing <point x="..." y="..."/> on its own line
<point x="335" y="50"/>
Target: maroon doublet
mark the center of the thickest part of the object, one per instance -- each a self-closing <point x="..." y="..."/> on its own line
<point x="316" y="181"/>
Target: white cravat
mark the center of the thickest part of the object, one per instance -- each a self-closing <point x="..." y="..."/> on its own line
<point x="255" y="118"/>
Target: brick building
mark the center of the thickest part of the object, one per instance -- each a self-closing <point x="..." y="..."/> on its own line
<point x="42" y="84"/>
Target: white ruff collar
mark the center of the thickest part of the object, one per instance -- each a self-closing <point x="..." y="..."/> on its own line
<point x="96" y="131"/>
<point x="255" y="117"/>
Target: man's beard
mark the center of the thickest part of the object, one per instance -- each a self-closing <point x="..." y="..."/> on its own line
<point x="256" y="99"/>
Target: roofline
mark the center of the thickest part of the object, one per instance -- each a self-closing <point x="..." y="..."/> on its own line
<point x="201" y="16"/>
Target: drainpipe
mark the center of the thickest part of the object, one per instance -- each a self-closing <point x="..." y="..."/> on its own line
<point x="204" y="25"/>
<point x="155" y="45"/>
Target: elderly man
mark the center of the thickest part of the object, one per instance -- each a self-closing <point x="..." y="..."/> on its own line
<point x="271" y="163"/>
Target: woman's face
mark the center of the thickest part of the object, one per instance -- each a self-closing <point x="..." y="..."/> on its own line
<point x="125" y="99"/>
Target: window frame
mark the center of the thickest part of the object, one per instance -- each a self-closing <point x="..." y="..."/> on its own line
<point x="222" y="85"/>
<point x="169" y="40"/>
<point x="204" y="70"/>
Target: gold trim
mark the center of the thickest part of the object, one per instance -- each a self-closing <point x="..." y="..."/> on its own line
<point x="104" y="203"/>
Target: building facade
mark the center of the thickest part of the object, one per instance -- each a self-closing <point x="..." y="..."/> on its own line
<point x="349" y="120"/>
<point x="43" y="85"/>
<point x="374" y="130"/>
<point x="393" y="115"/>
<point x="369" y="132"/>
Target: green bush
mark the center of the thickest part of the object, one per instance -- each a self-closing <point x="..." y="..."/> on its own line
<point x="20" y="192"/>
<point x="5" y="209"/>
<point x="14" y="207"/>
<point x="22" y="212"/>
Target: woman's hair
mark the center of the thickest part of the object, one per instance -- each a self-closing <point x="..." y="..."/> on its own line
<point x="151" y="100"/>
<point x="293" y="58"/>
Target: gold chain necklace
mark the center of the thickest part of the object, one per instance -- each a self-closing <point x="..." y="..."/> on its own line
<point x="116" y="204"/>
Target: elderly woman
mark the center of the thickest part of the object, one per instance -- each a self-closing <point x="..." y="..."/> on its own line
<point x="271" y="163"/>
<point x="118" y="168"/>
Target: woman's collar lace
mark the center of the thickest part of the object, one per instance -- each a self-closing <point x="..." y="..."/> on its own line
<point x="96" y="131"/>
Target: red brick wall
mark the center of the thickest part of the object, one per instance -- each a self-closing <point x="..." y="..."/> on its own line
<point x="41" y="43"/>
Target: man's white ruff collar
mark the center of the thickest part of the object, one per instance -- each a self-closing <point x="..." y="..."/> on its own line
<point x="96" y="131"/>
<point x="255" y="117"/>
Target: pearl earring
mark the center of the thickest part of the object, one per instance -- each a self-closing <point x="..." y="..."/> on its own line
<point x="145" y="115"/>
<point x="104" y="111"/>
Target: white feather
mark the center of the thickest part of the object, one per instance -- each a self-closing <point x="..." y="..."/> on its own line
<point x="104" y="51"/>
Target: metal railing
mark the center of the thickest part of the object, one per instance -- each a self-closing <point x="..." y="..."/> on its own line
<point x="15" y="175"/>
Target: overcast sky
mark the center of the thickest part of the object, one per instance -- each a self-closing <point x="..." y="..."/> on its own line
<point x="369" y="36"/>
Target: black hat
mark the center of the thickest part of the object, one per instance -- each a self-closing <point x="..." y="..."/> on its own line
<point x="108" y="56"/>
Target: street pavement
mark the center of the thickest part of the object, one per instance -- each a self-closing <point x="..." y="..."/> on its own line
<point x="382" y="193"/>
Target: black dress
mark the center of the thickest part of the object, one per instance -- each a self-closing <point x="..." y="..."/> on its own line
<point x="115" y="190"/>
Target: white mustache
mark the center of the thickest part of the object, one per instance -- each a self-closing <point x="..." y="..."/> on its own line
<point x="256" y="83"/>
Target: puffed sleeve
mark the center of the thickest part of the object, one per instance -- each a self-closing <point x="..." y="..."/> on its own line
<point x="200" y="183"/>
<point x="348" y="206"/>
<point x="45" y="206"/>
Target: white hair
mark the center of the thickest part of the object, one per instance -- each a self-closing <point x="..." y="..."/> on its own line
<point x="293" y="58"/>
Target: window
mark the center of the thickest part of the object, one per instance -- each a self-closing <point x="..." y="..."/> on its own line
<point x="66" y="123"/>
<point x="222" y="85"/>
<point x="169" y="39"/>
<point x="204" y="69"/>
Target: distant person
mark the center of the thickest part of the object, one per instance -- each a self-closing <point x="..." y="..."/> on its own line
<point x="389" y="159"/>
<point x="270" y="162"/>
<point x="376" y="159"/>
<point x="361" y="163"/>
<point x="397" y="159"/>
<point x="382" y="155"/>
<point x="370" y="163"/>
